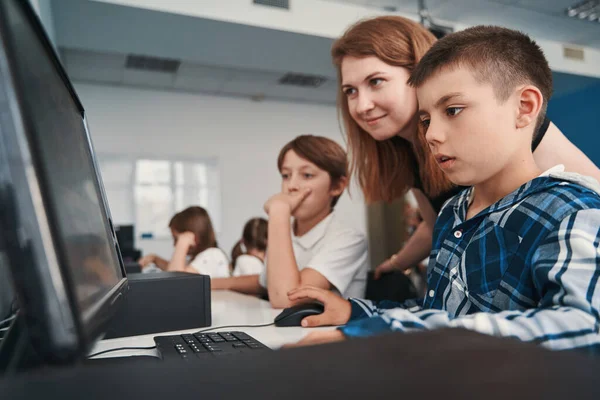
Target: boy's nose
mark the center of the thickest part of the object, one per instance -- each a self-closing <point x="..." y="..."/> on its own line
<point x="434" y="134"/>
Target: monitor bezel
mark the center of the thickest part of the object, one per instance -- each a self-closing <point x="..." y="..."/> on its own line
<point x="56" y="327"/>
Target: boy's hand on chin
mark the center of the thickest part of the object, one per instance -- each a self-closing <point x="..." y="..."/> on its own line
<point x="286" y="201"/>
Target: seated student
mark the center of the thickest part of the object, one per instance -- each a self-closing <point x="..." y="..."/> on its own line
<point x="515" y="255"/>
<point x="248" y="254"/>
<point x="316" y="249"/>
<point x="196" y="248"/>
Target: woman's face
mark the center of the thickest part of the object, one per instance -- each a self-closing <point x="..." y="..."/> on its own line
<point x="379" y="99"/>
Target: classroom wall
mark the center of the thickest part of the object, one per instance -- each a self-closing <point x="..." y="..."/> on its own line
<point x="244" y="135"/>
<point x="578" y="116"/>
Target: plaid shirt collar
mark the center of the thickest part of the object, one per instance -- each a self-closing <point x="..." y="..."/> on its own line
<point x="463" y="200"/>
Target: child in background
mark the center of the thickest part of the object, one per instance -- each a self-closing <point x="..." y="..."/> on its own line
<point x="196" y="248"/>
<point x="307" y="243"/>
<point x="248" y="254"/>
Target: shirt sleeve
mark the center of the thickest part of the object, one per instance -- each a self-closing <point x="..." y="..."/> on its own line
<point x="248" y="265"/>
<point x="340" y="259"/>
<point x="565" y="268"/>
<point x="212" y="262"/>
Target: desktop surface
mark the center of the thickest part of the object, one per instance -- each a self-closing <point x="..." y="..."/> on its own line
<point x="228" y="308"/>
<point x="450" y="363"/>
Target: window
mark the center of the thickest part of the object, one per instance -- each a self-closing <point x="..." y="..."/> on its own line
<point x="148" y="192"/>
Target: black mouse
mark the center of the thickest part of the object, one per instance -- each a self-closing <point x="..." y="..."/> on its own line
<point x="293" y="316"/>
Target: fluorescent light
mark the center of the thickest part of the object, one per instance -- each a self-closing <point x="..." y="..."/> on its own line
<point x="585" y="10"/>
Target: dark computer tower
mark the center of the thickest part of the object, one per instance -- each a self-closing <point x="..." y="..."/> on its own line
<point x="162" y="302"/>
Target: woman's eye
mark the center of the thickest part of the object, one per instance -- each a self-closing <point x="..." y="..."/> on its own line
<point x="453" y="111"/>
<point x="425" y="123"/>
<point x="308" y="176"/>
<point x="284" y="176"/>
<point x="349" y="91"/>
<point x="376" y="81"/>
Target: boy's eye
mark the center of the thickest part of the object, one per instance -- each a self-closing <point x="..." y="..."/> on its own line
<point x="453" y="111"/>
<point x="349" y="91"/>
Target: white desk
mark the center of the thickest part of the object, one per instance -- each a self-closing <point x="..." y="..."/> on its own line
<point x="228" y="308"/>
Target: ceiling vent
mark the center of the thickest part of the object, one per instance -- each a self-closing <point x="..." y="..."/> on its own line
<point x="155" y="64"/>
<point x="302" y="80"/>
<point x="283" y="4"/>
<point x="573" y="53"/>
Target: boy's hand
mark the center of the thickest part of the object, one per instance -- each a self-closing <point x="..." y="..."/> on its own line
<point x="385" y="267"/>
<point x="187" y="239"/>
<point x="314" y="338"/>
<point x="286" y="201"/>
<point x="146" y="260"/>
<point x="337" y="310"/>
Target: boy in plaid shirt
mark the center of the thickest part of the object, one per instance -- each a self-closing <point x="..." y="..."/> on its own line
<point x="516" y="254"/>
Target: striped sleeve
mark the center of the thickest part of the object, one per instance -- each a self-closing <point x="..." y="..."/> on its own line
<point x="362" y="308"/>
<point x="565" y="268"/>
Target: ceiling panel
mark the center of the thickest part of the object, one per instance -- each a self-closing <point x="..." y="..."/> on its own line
<point x="557" y="7"/>
<point x="200" y="71"/>
<point x="543" y="19"/>
<point x="95" y="74"/>
<point x="198" y="84"/>
<point x="266" y="77"/>
<point x="249" y="88"/>
<point x="148" y="78"/>
<point x="93" y="59"/>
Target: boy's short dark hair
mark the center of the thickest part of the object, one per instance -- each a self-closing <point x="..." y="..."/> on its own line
<point x="503" y="57"/>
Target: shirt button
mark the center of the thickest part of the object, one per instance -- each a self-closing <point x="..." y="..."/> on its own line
<point x="457" y="234"/>
<point x="431" y="293"/>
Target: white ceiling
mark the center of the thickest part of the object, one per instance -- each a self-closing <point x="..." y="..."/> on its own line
<point x="543" y="19"/>
<point x="96" y="51"/>
<point x="109" y="68"/>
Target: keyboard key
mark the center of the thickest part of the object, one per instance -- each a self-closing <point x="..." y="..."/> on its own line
<point x="229" y="337"/>
<point x="239" y="345"/>
<point x="240" y="335"/>
<point x="199" y="350"/>
<point x="214" y="349"/>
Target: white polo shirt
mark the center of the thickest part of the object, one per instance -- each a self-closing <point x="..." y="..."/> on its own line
<point x="337" y="252"/>
<point x="212" y="262"/>
<point x="248" y="265"/>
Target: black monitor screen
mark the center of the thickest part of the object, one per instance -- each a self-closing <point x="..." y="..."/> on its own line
<point x="56" y="128"/>
<point x="125" y="236"/>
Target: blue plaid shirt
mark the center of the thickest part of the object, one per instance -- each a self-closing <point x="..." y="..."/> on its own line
<point x="527" y="267"/>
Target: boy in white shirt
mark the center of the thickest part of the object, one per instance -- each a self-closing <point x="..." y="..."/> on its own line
<point x="315" y="249"/>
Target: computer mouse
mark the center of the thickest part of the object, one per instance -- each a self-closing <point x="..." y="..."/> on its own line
<point x="293" y="316"/>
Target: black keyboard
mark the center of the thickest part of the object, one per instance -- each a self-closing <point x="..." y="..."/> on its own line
<point x="207" y="345"/>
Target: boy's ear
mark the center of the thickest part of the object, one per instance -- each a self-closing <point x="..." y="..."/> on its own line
<point x="338" y="188"/>
<point x="530" y="104"/>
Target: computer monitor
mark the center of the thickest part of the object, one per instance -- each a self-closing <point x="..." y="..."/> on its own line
<point x="55" y="225"/>
<point x="125" y="237"/>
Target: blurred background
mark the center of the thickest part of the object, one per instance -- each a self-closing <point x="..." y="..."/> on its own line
<point x="189" y="102"/>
